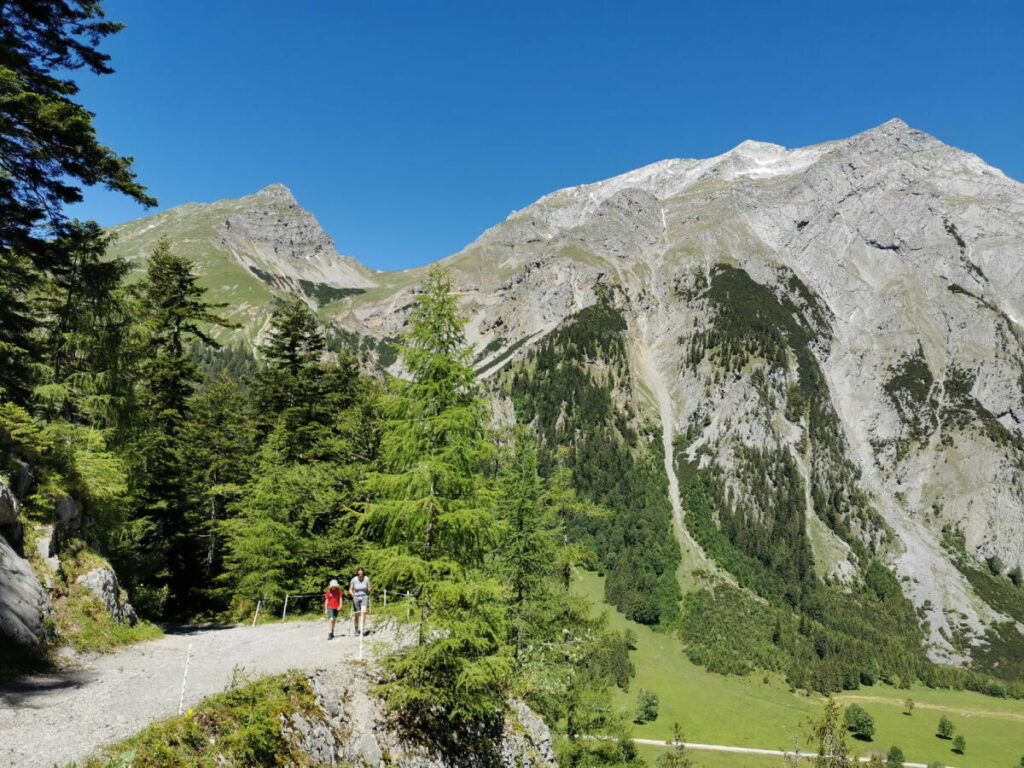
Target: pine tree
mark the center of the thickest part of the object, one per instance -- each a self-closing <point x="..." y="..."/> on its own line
<point x="83" y="332"/>
<point x="215" y="451"/>
<point x="173" y="316"/>
<point x="431" y="529"/>
<point x="263" y="543"/>
<point x="49" y="148"/>
<point x="569" y="509"/>
<point x="297" y="390"/>
<point x="529" y="542"/>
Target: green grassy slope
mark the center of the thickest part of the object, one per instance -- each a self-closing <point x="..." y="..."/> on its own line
<point x="745" y="711"/>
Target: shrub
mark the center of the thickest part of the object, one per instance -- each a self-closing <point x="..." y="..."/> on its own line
<point x="859" y="722"/>
<point x="945" y="729"/>
<point x="895" y="758"/>
<point x="646" y="706"/>
<point x="959" y="744"/>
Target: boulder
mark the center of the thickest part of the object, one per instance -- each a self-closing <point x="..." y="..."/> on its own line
<point x="69" y="518"/>
<point x="354" y="730"/>
<point x="102" y="582"/>
<point x="24" y="605"/>
<point x="10" y="518"/>
<point x="46" y="547"/>
<point x="23" y="479"/>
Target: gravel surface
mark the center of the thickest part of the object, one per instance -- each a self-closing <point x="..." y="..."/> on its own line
<point x="65" y="715"/>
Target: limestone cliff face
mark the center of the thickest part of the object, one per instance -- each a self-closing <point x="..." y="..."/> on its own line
<point x="355" y="731"/>
<point x="853" y="309"/>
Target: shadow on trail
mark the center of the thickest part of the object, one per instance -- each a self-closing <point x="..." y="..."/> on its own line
<point x="195" y="629"/>
<point x="20" y="693"/>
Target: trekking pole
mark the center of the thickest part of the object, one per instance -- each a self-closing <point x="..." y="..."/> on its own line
<point x="361" y="643"/>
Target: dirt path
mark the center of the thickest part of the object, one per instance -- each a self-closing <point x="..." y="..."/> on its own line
<point x="1015" y="716"/>
<point x="56" y="717"/>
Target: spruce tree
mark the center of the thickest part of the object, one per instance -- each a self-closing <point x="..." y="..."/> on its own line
<point x="173" y="316"/>
<point x="215" y="451"/>
<point x="84" y="333"/>
<point x="50" y="149"/>
<point x="431" y="529"/>
<point x="297" y="390"/>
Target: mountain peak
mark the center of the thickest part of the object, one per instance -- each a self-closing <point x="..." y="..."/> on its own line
<point x="895" y="130"/>
<point x="277" y="191"/>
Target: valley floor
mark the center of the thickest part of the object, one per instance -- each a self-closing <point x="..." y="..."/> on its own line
<point x="749" y="712"/>
<point x="65" y="715"/>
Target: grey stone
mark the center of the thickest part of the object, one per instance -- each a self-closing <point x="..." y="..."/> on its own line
<point x="360" y="734"/>
<point x="24" y="478"/>
<point x="10" y="517"/>
<point x="24" y="604"/>
<point x="102" y="582"/>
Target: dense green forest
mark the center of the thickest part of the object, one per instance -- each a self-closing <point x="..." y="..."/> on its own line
<point x="614" y="458"/>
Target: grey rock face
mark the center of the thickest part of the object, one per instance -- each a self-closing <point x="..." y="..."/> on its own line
<point x="102" y="582"/>
<point x="69" y="517"/>
<point x="24" y="478"/>
<point x="355" y="731"/>
<point x="24" y="605"/>
<point x="10" y="516"/>
<point x="899" y="248"/>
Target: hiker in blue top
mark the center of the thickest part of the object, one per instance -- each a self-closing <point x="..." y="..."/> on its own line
<point x="359" y="590"/>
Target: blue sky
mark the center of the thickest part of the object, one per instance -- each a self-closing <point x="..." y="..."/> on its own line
<point x="408" y="128"/>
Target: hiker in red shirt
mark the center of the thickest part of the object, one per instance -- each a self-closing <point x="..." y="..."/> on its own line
<point x="333" y="598"/>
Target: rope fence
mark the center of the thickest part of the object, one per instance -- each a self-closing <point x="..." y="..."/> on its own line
<point x="293" y="599"/>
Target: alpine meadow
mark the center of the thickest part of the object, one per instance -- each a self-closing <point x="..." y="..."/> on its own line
<point x="716" y="462"/>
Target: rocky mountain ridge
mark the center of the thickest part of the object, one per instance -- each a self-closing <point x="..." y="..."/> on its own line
<point x="849" y="312"/>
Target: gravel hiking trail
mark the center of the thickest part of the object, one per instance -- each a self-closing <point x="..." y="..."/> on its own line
<point x="54" y="717"/>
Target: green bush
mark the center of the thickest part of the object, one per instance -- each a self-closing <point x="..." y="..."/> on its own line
<point x="859" y="722"/>
<point x="646" y="706"/>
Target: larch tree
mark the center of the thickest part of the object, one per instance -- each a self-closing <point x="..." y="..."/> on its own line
<point x="431" y="530"/>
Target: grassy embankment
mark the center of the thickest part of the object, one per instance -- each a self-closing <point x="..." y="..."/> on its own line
<point x="747" y="712"/>
<point x="241" y="726"/>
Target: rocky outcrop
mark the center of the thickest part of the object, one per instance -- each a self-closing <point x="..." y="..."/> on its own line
<point x="10" y="517"/>
<point x="102" y="582"/>
<point x="24" y="604"/>
<point x="355" y="731"/>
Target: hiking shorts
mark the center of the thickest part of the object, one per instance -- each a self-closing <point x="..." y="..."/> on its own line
<point x="360" y="603"/>
<point x="333" y="612"/>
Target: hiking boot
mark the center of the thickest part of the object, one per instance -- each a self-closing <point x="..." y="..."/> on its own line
<point x="330" y="635"/>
